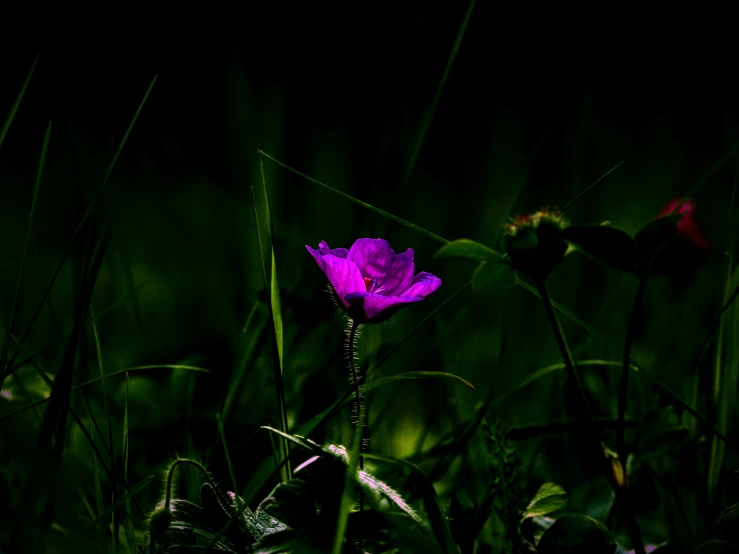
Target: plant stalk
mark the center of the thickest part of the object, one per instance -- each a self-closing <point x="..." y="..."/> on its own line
<point x="618" y="488"/>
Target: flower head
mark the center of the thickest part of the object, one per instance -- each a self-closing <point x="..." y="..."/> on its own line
<point x="371" y="281"/>
<point x="687" y="227"/>
<point x="533" y="242"/>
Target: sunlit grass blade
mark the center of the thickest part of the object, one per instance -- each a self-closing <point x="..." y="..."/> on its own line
<point x="275" y="313"/>
<point x="17" y="103"/>
<point x="350" y="478"/>
<point x="21" y="265"/>
<point x="80" y="225"/>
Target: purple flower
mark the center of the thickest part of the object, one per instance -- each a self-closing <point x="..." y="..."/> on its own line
<point x="371" y="281"/>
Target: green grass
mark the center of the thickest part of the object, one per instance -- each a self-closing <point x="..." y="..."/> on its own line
<point x="178" y="320"/>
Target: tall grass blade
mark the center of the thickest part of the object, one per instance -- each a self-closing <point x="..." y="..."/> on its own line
<point x="17" y="103"/>
<point x="81" y="224"/>
<point x="21" y="265"/>
<point x="275" y="313"/>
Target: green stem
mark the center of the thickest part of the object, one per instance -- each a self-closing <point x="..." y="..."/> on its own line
<point x="357" y="400"/>
<point x="623" y="390"/>
<point x="618" y="489"/>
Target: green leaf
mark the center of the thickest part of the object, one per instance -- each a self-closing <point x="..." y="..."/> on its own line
<point x="493" y="275"/>
<point x="604" y="243"/>
<point x="549" y="498"/>
<point x="466" y="248"/>
<point x="576" y="534"/>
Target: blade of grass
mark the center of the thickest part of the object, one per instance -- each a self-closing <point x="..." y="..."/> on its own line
<point x="114" y="483"/>
<point x="359" y="202"/>
<point x="138" y="487"/>
<point x="275" y="314"/>
<point x="221" y="433"/>
<point x="81" y="224"/>
<point x="21" y="265"/>
<point x="126" y="517"/>
<point x="726" y="364"/>
<point x="108" y="376"/>
<point x="589" y="188"/>
<point x="254" y="334"/>
<point x="99" y="505"/>
<point x="17" y="103"/>
<point x="123" y="298"/>
<point x="429" y="113"/>
<point x="696" y="187"/>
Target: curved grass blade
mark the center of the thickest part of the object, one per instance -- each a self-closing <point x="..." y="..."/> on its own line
<point x="85" y="216"/>
<point x="17" y="103"/>
<point x="21" y="265"/>
<point x="123" y="298"/>
<point x="411" y="376"/>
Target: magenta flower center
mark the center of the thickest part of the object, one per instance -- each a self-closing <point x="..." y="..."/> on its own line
<point x="370" y="285"/>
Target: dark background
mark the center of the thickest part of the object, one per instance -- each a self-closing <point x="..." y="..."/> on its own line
<point x="342" y="98"/>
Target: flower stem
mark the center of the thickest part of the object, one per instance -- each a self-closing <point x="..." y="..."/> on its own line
<point x="357" y="400"/>
<point x="623" y="390"/>
<point x="608" y="468"/>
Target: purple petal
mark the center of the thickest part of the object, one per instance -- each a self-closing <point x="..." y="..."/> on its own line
<point x="323" y="250"/>
<point x="376" y="260"/>
<point x="376" y="307"/>
<point x="343" y="276"/>
<point x="338" y="252"/>
<point x="423" y="284"/>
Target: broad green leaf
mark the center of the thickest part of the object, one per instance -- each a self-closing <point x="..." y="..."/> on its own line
<point x="604" y="243"/>
<point x="493" y="275"/>
<point x="576" y="534"/>
<point x="549" y="498"/>
<point x="466" y="248"/>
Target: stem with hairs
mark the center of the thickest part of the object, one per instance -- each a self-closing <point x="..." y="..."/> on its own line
<point x="357" y="399"/>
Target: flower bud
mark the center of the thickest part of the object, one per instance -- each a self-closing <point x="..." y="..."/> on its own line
<point x="534" y="244"/>
<point x="159" y="522"/>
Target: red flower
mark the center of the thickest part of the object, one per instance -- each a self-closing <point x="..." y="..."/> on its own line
<point x="688" y="226"/>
